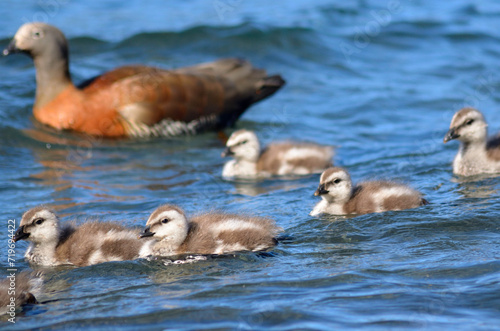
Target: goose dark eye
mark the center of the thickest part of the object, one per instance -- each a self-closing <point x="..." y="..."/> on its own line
<point x="37" y="34"/>
<point x="243" y="142"/>
<point x="165" y="220"/>
<point x="39" y="221"/>
<point x="336" y="181"/>
<point x="469" y="122"/>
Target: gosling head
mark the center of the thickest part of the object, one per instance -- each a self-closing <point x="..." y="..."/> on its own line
<point x="243" y="145"/>
<point x="38" y="39"/>
<point x="467" y="125"/>
<point x="168" y="223"/>
<point x="334" y="185"/>
<point x="39" y="225"/>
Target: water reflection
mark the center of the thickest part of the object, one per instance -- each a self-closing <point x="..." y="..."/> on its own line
<point x="60" y="154"/>
<point x="85" y="163"/>
<point x="257" y="187"/>
<point x="481" y="186"/>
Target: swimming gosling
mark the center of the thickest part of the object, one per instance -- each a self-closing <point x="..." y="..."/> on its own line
<point x="209" y="233"/>
<point x="477" y="154"/>
<point x="284" y="158"/>
<point x="340" y="198"/>
<point x="16" y="291"/>
<point x="54" y="244"/>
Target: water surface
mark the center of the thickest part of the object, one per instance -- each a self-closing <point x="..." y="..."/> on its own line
<point x="378" y="82"/>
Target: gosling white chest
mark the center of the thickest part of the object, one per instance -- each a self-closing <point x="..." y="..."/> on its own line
<point x="474" y="160"/>
<point x="323" y="207"/>
<point x="163" y="249"/>
<point x="41" y="254"/>
<point x="146" y="249"/>
<point x="239" y="168"/>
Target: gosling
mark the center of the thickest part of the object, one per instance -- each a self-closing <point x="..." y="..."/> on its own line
<point x="284" y="158"/>
<point x="16" y="291"/>
<point x="54" y="244"/>
<point x="209" y="233"/>
<point x="477" y="154"/>
<point x="340" y="198"/>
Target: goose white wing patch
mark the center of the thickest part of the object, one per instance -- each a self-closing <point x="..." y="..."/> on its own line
<point x="233" y="225"/>
<point x="296" y="153"/>
<point x="381" y="195"/>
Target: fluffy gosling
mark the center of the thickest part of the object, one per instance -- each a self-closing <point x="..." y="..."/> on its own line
<point x="340" y="198"/>
<point x="209" y="233"/>
<point x="54" y="244"/>
<point x="285" y="158"/>
<point x="477" y="154"/>
<point x="16" y="292"/>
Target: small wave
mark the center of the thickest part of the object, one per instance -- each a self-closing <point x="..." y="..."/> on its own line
<point x="189" y="259"/>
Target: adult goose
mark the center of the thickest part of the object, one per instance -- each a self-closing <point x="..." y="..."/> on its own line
<point x="137" y="100"/>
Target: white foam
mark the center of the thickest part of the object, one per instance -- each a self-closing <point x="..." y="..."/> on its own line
<point x="189" y="259"/>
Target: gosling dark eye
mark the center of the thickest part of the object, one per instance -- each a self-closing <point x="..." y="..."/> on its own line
<point x="336" y="181"/>
<point x="165" y="220"/>
<point x="469" y="122"/>
<point x="39" y="221"/>
<point x="243" y="142"/>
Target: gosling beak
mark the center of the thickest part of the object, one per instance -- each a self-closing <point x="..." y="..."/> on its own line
<point x="321" y="190"/>
<point x="30" y="298"/>
<point x="452" y="134"/>
<point x="227" y="152"/>
<point x="11" y="49"/>
<point x="20" y="234"/>
<point x="146" y="233"/>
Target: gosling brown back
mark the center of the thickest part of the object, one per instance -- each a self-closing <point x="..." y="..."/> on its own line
<point x="362" y="201"/>
<point x="272" y="158"/>
<point x="209" y="234"/>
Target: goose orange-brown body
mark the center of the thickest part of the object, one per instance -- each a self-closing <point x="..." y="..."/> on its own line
<point x="138" y="100"/>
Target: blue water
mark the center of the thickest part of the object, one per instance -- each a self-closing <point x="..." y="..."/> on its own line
<point x="377" y="80"/>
